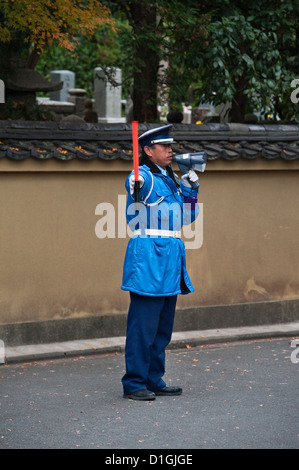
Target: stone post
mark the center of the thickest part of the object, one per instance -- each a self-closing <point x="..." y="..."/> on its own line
<point x="78" y="97"/>
<point x="108" y="96"/>
<point x="68" y="79"/>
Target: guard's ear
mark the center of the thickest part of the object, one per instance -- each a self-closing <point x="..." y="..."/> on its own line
<point x="147" y="150"/>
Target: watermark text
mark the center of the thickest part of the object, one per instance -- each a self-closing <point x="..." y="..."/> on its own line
<point x="295" y="353"/>
<point x="2" y="92"/>
<point x="2" y="352"/>
<point x="295" y="93"/>
<point x="113" y="223"/>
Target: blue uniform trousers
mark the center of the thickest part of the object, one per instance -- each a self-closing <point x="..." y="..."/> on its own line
<point x="149" y="329"/>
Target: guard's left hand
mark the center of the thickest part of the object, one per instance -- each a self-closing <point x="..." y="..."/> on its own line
<point x="188" y="178"/>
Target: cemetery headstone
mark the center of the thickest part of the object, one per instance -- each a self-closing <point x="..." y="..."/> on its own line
<point x="107" y="95"/>
<point x="68" y="79"/>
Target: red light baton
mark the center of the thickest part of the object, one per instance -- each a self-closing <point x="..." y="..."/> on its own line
<point x="135" y="159"/>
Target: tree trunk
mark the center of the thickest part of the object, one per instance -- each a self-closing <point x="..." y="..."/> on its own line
<point x="33" y="57"/>
<point x="146" y="63"/>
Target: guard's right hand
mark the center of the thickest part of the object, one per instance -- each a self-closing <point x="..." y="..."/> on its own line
<point x="132" y="183"/>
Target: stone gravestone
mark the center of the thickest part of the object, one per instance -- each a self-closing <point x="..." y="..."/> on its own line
<point x="68" y="79"/>
<point x="107" y="95"/>
<point x="78" y="97"/>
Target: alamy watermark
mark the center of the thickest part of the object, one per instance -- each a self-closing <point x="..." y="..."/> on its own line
<point x="113" y="223"/>
<point x="2" y="92"/>
<point x="295" y="353"/>
<point x="295" y="93"/>
<point x="2" y="352"/>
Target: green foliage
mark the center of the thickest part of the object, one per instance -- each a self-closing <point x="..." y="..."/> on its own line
<point x="252" y="50"/>
<point x="170" y="35"/>
<point x="102" y="50"/>
<point x="226" y="50"/>
<point x="185" y="30"/>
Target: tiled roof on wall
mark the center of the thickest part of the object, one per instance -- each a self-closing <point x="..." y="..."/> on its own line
<point x="20" y="140"/>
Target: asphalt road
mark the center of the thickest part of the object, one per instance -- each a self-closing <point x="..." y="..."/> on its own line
<point x="236" y="396"/>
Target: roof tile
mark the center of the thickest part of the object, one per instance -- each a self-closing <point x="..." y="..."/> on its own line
<point x="20" y="140"/>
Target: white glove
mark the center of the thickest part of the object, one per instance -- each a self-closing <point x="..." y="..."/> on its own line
<point x="132" y="183"/>
<point x="191" y="176"/>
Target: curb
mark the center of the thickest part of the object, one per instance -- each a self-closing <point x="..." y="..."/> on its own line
<point x="31" y="353"/>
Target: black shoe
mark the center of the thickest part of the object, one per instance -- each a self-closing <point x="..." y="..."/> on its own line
<point x="170" y="391"/>
<point x="143" y="394"/>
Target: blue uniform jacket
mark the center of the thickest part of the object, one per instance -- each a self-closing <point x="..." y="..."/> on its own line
<point x="156" y="266"/>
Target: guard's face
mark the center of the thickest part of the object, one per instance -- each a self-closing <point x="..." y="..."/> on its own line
<point x="160" y="154"/>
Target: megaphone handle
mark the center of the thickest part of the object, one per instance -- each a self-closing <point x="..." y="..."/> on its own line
<point x="194" y="185"/>
<point x="136" y="191"/>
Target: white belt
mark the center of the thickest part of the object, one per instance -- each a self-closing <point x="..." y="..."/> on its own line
<point x="159" y="233"/>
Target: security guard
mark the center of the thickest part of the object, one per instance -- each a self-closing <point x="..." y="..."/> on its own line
<point x="155" y="265"/>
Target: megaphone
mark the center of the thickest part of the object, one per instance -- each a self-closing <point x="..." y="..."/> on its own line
<point x="195" y="161"/>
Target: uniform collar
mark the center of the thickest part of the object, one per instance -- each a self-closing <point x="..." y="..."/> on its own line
<point x="153" y="168"/>
<point x="163" y="170"/>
